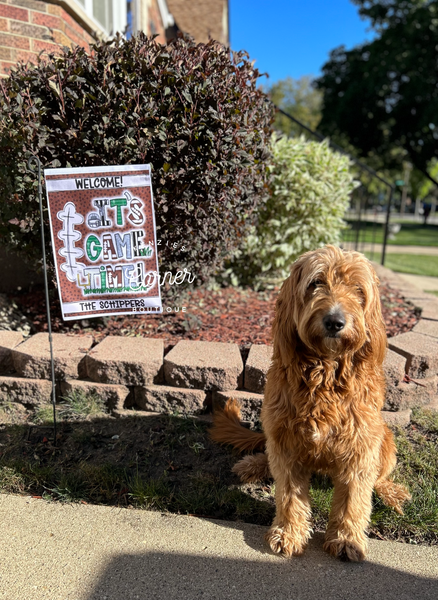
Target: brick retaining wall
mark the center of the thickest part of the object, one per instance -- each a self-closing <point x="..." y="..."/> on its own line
<point x="134" y="373"/>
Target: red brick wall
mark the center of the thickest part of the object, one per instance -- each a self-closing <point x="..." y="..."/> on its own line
<point x="28" y="27"/>
<point x="155" y="24"/>
<point x="203" y="19"/>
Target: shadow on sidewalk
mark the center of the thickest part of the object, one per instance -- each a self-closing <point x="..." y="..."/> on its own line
<point x="165" y="576"/>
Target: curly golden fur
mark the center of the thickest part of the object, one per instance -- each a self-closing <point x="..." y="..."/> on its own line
<point x="321" y="410"/>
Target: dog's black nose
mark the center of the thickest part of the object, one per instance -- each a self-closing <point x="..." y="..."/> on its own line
<point x="334" y="322"/>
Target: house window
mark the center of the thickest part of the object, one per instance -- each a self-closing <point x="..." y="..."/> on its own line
<point x="103" y="12"/>
<point x="110" y="15"/>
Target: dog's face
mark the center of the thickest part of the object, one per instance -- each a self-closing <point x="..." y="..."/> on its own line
<point x="331" y="303"/>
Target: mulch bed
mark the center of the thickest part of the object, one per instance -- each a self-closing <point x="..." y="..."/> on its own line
<point x="226" y="315"/>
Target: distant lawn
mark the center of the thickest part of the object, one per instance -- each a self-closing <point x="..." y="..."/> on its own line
<point x="416" y="264"/>
<point x="411" y="234"/>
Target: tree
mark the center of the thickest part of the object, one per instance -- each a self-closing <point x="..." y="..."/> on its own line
<point x="300" y="99"/>
<point x="383" y="95"/>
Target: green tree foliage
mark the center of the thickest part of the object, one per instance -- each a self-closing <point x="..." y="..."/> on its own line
<point x="298" y="98"/>
<point x="383" y="95"/>
<point x="385" y="12"/>
<point x="193" y="111"/>
<point x="419" y="186"/>
<point x="311" y="190"/>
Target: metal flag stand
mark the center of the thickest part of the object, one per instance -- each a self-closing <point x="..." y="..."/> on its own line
<point x="34" y="165"/>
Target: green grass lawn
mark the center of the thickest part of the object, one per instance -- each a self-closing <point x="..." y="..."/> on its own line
<point x="419" y="264"/>
<point x="411" y="234"/>
<point x="169" y="463"/>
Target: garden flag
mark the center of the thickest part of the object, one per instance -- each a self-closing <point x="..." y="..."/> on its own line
<point x="104" y="240"/>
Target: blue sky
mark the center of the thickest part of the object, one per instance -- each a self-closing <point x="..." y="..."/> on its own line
<point x="294" y="37"/>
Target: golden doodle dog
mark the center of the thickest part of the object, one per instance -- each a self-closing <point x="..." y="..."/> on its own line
<point x="321" y="411"/>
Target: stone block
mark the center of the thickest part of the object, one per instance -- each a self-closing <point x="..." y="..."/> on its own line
<point x="32" y="357"/>
<point x="394" y="367"/>
<point x="433" y="406"/>
<point x="167" y="399"/>
<point x="256" y="368"/>
<point x="429" y="312"/>
<point x="204" y="365"/>
<point x="414" y="295"/>
<point x="8" y="341"/>
<point x="114" y="396"/>
<point x="426" y="328"/>
<point x="427" y="305"/>
<point x="29" y="392"/>
<point x="400" y="418"/>
<point x="427" y="302"/>
<point x="126" y="360"/>
<point x="250" y="403"/>
<point x="421" y="352"/>
<point x="407" y="394"/>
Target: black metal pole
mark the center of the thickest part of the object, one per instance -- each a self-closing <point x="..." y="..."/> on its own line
<point x="373" y="241"/>
<point x="364" y="230"/>
<point x="358" y="222"/>
<point x="385" y="236"/>
<point x="32" y="164"/>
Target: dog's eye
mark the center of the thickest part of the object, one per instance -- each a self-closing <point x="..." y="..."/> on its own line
<point x="315" y="283"/>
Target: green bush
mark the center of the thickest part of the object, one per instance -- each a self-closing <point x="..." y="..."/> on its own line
<point x="192" y="111"/>
<point x="311" y="187"/>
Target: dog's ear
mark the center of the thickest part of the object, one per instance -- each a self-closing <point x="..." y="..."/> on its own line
<point x="284" y="330"/>
<point x="376" y="345"/>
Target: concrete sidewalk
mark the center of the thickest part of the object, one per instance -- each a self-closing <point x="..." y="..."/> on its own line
<point x="52" y="551"/>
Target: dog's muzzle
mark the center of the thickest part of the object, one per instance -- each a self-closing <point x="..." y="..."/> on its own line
<point x="334" y="323"/>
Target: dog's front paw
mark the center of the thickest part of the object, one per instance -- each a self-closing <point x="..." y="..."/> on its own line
<point x="284" y="543"/>
<point x="352" y="550"/>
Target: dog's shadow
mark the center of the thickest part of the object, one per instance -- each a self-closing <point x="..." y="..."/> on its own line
<point x="253" y="535"/>
<point x="164" y="576"/>
<point x="391" y="570"/>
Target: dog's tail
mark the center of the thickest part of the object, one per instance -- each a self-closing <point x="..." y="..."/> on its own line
<point x="227" y="429"/>
<point x="253" y="468"/>
<point x="392" y="494"/>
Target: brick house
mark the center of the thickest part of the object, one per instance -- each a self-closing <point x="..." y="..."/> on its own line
<point x="203" y="19"/>
<point x="28" y="27"/>
<point x="153" y="17"/>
